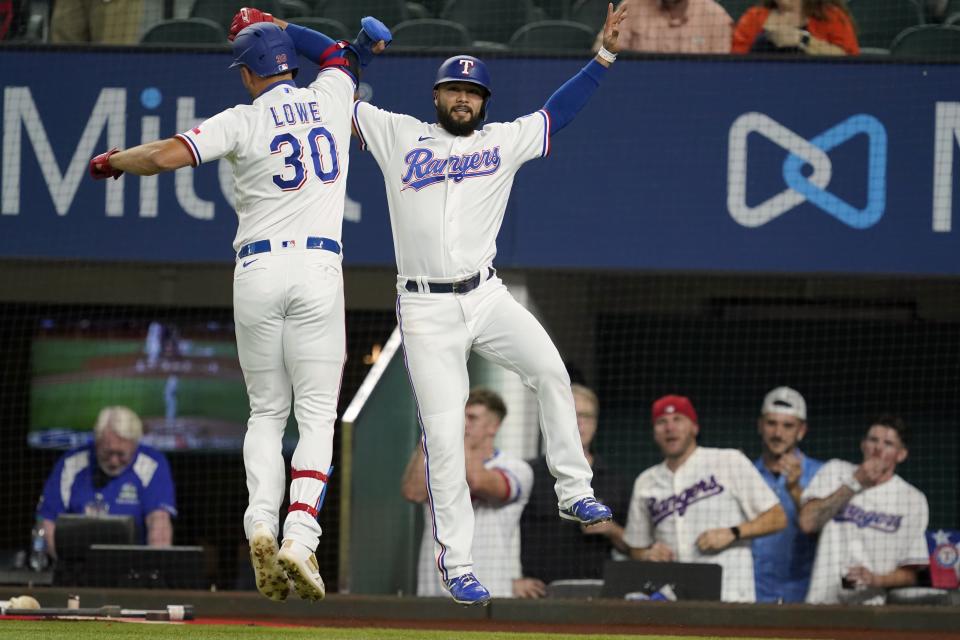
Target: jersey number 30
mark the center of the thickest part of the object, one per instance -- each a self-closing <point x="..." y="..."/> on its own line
<point x="295" y="159"/>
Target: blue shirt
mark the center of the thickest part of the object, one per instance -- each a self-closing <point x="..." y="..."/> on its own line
<point x="782" y="561"/>
<point x="146" y="485"/>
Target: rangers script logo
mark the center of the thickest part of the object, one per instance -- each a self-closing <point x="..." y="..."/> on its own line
<point x="661" y="509"/>
<point x="886" y="522"/>
<point x="423" y="169"/>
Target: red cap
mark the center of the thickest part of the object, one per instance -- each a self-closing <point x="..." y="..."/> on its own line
<point x="674" y="404"/>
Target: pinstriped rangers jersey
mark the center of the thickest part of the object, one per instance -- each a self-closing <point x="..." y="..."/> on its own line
<point x="881" y="528"/>
<point x="496" y="534"/>
<point x="447" y="194"/>
<point x="713" y="488"/>
<point x="289" y="153"/>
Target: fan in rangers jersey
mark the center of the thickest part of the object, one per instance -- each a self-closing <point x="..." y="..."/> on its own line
<point x="447" y="189"/>
<point x="700" y="504"/>
<point x="871" y="522"/>
<point x="289" y="155"/>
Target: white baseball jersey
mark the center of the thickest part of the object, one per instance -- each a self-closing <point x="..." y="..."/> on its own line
<point x="881" y="528"/>
<point x="713" y="489"/>
<point x="447" y="194"/>
<point x="289" y="154"/>
<point x="290" y="142"/>
<point x="496" y="534"/>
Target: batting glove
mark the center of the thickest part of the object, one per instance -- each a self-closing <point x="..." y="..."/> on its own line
<point x="372" y="31"/>
<point x="100" y="168"/>
<point x="246" y="17"/>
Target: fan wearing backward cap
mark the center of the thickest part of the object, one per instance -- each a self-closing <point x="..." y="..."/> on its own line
<point x="782" y="561"/>
<point x="289" y="154"/>
<point x="700" y="504"/>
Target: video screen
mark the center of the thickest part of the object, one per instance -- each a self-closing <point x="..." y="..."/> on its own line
<point x="181" y="376"/>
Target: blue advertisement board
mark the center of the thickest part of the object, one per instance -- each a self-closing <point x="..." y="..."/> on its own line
<point x="676" y="164"/>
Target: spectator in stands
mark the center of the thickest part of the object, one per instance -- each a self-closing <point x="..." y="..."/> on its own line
<point x="552" y="550"/>
<point x="500" y="487"/>
<point x="814" y="27"/>
<point x="8" y="12"/>
<point x="700" y="504"/>
<point x="782" y="561"/>
<point x="675" y="26"/>
<point x="113" y="475"/>
<point x="102" y="21"/>
<point x="871" y="521"/>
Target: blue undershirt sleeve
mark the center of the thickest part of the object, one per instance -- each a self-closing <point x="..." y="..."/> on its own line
<point x="308" y="42"/>
<point x="567" y="101"/>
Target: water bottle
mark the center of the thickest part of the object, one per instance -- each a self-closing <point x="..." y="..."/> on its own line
<point x="39" y="560"/>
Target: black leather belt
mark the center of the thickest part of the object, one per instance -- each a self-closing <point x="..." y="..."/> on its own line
<point x="460" y="286"/>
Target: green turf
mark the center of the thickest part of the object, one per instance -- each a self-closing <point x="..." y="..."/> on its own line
<point x="89" y="630"/>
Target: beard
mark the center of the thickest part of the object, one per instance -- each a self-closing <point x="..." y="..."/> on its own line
<point x="457" y="127"/>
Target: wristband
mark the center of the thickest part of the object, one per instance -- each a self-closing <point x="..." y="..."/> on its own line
<point x="853" y="484"/>
<point x="736" y="532"/>
<point x="609" y="56"/>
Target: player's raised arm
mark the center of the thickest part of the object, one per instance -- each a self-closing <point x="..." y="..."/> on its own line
<point x="570" y="98"/>
<point x="372" y="39"/>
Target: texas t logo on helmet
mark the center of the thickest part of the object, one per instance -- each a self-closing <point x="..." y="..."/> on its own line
<point x="467" y="65"/>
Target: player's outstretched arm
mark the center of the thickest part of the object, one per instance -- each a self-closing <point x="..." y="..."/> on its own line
<point x="143" y="160"/>
<point x="570" y="98"/>
<point x="373" y="38"/>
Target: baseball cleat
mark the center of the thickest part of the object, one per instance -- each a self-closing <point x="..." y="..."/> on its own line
<point x="271" y="580"/>
<point x="303" y="570"/>
<point x="587" y="511"/>
<point x="467" y="590"/>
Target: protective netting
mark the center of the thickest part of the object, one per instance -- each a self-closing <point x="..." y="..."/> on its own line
<point x="644" y="244"/>
<point x="880" y="27"/>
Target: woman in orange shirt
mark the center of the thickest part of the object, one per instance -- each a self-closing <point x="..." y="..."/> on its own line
<point x="816" y="27"/>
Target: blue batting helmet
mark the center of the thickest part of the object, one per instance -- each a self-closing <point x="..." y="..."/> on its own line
<point x="265" y="49"/>
<point x="464" y="69"/>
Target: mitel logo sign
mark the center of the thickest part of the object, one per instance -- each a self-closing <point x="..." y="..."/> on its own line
<point x="813" y="188"/>
<point x="116" y="117"/>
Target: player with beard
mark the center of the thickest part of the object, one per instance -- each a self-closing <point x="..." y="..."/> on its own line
<point x="447" y="189"/>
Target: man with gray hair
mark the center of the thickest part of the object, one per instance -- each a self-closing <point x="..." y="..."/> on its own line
<point x="782" y="561"/>
<point x="116" y="475"/>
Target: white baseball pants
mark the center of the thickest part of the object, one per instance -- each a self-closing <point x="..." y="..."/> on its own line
<point x="439" y="330"/>
<point x="289" y="314"/>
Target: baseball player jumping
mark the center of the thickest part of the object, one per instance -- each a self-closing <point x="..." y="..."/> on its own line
<point x="447" y="189"/>
<point x="289" y="154"/>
